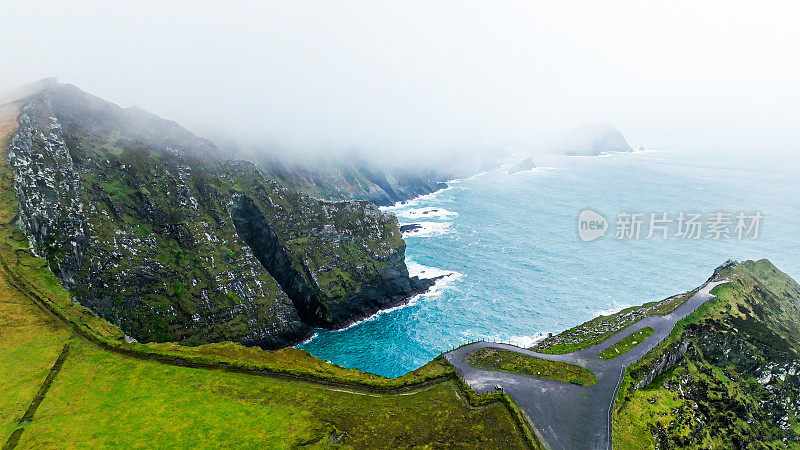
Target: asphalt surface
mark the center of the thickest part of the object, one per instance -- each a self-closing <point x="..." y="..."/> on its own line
<point x="564" y="415"/>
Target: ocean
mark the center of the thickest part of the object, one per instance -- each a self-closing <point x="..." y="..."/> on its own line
<point x="514" y="267"/>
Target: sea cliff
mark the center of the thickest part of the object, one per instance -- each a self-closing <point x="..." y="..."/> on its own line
<point x="152" y="228"/>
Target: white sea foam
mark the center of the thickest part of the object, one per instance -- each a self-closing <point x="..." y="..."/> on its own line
<point x="416" y="200"/>
<point x="523" y="341"/>
<point x="428" y="229"/>
<point x="527" y="341"/>
<point x="311" y="338"/>
<point x="430" y="212"/>
<point x="425" y="197"/>
<point x="419" y="270"/>
<point x="609" y="154"/>
<point x="542" y="169"/>
<point x="635" y="151"/>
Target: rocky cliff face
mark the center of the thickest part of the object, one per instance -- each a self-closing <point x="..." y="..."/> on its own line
<point x="665" y="361"/>
<point x="355" y="180"/>
<point x="330" y="266"/>
<point x="48" y="189"/>
<point x="146" y="224"/>
<point x="353" y="177"/>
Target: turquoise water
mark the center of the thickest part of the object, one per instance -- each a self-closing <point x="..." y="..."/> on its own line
<point x="518" y="270"/>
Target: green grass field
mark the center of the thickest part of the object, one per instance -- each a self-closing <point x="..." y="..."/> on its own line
<point x="507" y="361"/>
<point x="30" y="342"/>
<point x="101" y="399"/>
<point x="625" y="345"/>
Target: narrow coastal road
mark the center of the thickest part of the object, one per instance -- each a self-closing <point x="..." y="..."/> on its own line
<point x="567" y="416"/>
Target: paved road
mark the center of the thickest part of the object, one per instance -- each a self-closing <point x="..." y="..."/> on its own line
<point x="567" y="416"/>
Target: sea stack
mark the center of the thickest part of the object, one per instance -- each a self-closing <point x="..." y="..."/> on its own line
<point x="525" y="164"/>
<point x="593" y="140"/>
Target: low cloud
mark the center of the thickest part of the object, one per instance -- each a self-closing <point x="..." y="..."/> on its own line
<point x="408" y="80"/>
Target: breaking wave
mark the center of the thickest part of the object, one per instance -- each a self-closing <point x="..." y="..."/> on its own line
<point x="428" y="229"/>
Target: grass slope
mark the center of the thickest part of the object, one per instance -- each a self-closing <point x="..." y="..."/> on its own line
<point x="625" y="345"/>
<point x="108" y="400"/>
<point x="507" y="361"/>
<point x="30" y="342"/>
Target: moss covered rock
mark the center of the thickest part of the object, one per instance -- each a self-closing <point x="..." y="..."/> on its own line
<point x="153" y="229"/>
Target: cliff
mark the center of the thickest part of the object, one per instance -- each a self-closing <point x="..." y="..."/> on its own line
<point x="375" y="177"/>
<point x="728" y="376"/>
<point x="150" y="227"/>
<point x="355" y="179"/>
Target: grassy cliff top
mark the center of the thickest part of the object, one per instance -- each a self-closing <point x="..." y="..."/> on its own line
<point x="627" y="344"/>
<point x="729" y="374"/>
<point x="513" y="362"/>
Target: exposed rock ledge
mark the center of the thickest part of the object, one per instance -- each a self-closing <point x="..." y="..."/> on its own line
<point x="664" y="362"/>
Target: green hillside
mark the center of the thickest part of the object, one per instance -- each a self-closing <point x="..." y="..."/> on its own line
<point x="736" y="383"/>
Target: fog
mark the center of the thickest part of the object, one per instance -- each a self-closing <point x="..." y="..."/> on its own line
<point x="417" y="78"/>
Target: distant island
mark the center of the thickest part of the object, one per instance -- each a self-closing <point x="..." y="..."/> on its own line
<point x="594" y="140"/>
<point x="525" y="164"/>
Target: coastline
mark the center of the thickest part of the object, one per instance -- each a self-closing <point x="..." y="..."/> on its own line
<point x="410" y="300"/>
<point x="448" y="185"/>
<point x="440" y="281"/>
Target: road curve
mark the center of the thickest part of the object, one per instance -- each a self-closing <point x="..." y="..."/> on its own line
<point x="567" y="416"/>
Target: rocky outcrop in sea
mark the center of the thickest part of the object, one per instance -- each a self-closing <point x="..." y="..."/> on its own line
<point x="593" y="140"/>
<point x="525" y="164"/>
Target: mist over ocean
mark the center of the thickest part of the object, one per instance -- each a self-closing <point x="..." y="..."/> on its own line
<point x="516" y="269"/>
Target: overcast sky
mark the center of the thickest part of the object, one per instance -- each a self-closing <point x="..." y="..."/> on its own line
<point x="418" y="76"/>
